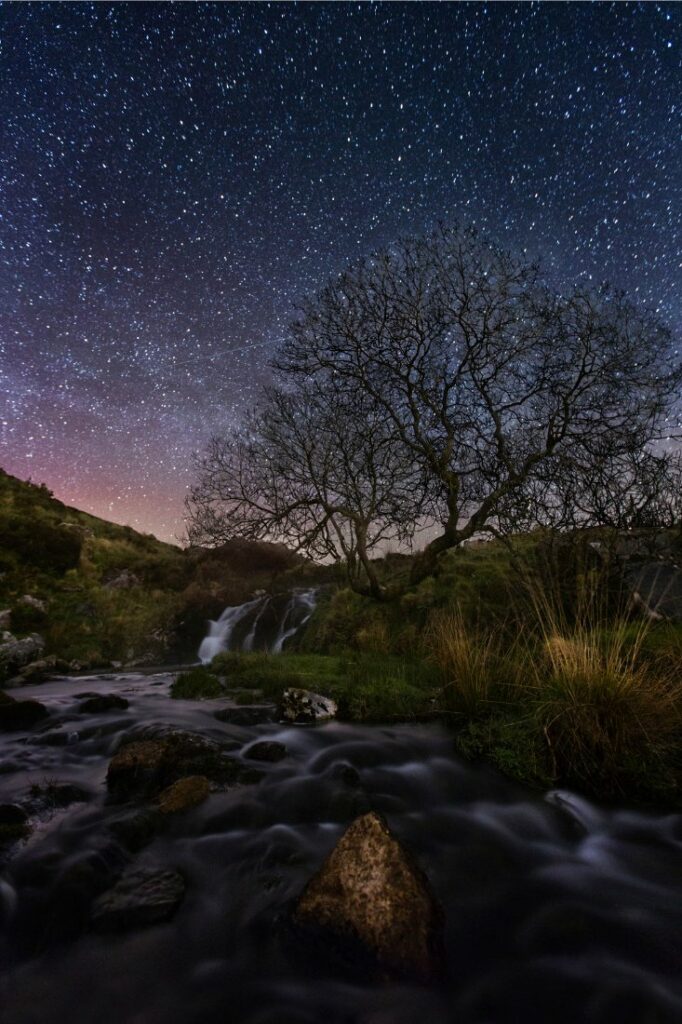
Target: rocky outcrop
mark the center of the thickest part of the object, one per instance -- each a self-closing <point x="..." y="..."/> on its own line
<point x="183" y="794"/>
<point x="370" y="900"/>
<point x="304" y="707"/>
<point x="123" y="580"/>
<point x="143" y="896"/>
<point x="144" y="768"/>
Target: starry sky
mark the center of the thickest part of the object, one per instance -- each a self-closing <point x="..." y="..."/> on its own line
<point x="174" y="176"/>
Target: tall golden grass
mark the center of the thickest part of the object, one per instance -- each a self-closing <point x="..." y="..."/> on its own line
<point x="602" y="708"/>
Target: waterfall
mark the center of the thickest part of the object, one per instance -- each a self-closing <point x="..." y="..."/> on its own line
<point x="262" y="624"/>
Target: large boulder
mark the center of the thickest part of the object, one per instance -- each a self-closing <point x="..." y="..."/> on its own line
<point x="145" y="767"/>
<point x="370" y="898"/>
<point x="143" y="896"/>
<point x="305" y="707"/>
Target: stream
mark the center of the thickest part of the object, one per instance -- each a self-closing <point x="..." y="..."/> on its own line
<point x="556" y="910"/>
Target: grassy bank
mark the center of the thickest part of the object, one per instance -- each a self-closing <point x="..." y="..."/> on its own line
<point x="533" y="656"/>
<point x="106" y="593"/>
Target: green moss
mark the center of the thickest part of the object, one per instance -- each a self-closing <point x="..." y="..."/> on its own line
<point x="196" y="684"/>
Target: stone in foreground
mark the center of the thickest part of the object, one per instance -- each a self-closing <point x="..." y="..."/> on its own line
<point x="143" y="896"/>
<point x="370" y="897"/>
<point x="304" y="707"/>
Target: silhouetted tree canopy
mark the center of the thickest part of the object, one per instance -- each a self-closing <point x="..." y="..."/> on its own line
<point x="441" y="381"/>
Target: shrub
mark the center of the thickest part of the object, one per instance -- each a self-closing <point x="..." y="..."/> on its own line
<point x="195" y="684"/>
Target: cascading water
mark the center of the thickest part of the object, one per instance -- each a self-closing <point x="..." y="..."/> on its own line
<point x="263" y="624"/>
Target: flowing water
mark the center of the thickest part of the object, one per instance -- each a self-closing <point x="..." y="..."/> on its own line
<point x="263" y="624"/>
<point x="556" y="910"/>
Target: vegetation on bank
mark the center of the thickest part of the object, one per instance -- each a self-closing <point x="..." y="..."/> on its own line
<point x="532" y="654"/>
<point x="107" y="593"/>
<point x="529" y="649"/>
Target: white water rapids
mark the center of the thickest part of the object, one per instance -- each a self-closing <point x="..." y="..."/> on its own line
<point x="262" y="624"/>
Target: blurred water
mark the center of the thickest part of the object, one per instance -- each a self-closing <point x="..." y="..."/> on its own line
<point x="557" y="910"/>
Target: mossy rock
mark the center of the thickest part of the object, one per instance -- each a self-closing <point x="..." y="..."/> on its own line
<point x="144" y="768"/>
<point x="184" y="794"/>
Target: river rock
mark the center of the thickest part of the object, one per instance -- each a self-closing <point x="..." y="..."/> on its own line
<point x="16" y="715"/>
<point x="5" y="618"/>
<point x="103" y="702"/>
<point x="35" y="671"/>
<point x="183" y="794"/>
<point x="305" y="707"/>
<point x="144" y="768"/>
<point x="247" y="714"/>
<point x="266" y="750"/>
<point x="14" y="654"/>
<point x="137" y="829"/>
<point x="143" y="896"/>
<point x="370" y="897"/>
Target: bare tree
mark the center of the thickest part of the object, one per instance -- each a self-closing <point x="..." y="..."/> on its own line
<point x="496" y="391"/>
<point x="312" y="469"/>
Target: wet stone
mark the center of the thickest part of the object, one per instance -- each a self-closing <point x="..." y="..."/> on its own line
<point x="12" y="814"/>
<point x="103" y="702"/>
<point x="144" y="768"/>
<point x="17" y="715"/>
<point x="13" y="823"/>
<point x="370" y="898"/>
<point x="136" y="830"/>
<point x="143" y="896"/>
<point x="183" y="794"/>
<point x="248" y="714"/>
<point x="266" y="750"/>
<point x="303" y="707"/>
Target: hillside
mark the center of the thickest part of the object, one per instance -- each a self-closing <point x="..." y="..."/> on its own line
<point x="100" y="593"/>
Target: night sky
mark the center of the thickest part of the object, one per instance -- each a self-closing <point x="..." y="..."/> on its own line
<point x="174" y="176"/>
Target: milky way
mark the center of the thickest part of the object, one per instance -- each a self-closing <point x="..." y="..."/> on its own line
<point x="175" y="176"/>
